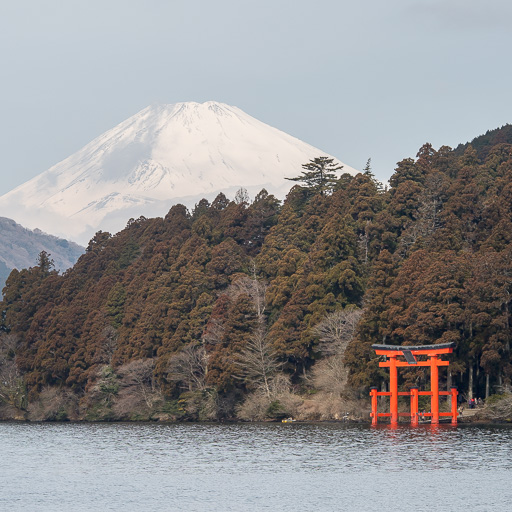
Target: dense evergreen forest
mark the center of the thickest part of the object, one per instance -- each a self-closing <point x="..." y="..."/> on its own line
<point x="260" y="310"/>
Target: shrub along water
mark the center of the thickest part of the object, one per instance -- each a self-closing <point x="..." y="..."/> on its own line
<point x="261" y="310"/>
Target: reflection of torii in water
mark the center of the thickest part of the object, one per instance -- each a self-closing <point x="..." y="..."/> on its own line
<point x="432" y="352"/>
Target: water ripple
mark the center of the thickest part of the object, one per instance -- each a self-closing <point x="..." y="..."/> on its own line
<point x="253" y="466"/>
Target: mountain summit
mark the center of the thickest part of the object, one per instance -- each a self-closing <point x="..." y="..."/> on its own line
<point x="163" y="155"/>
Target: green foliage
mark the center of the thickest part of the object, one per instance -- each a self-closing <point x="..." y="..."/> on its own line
<point x="115" y="304"/>
<point x="99" y="412"/>
<point x="494" y="399"/>
<point x="200" y="405"/>
<point x="129" y="252"/>
<point x="319" y="175"/>
<point x="109" y="383"/>
<point x="276" y="410"/>
<point x="45" y="263"/>
<point x="429" y="261"/>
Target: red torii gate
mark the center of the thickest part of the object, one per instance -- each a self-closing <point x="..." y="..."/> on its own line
<point x="432" y="352"/>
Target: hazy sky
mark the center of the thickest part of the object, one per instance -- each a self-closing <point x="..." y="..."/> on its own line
<point x="357" y="79"/>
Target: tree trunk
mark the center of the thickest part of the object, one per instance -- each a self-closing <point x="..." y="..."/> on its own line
<point x="486" y="386"/>
<point x="470" y="384"/>
<point x="507" y="347"/>
<point x="449" y="386"/>
<point x="383" y="389"/>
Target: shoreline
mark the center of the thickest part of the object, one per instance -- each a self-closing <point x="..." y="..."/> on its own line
<point x="476" y="422"/>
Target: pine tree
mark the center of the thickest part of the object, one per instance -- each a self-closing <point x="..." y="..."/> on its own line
<point x="45" y="263"/>
<point x="319" y="175"/>
<point x="367" y="171"/>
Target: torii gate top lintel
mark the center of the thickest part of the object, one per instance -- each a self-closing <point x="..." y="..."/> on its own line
<point x="396" y="350"/>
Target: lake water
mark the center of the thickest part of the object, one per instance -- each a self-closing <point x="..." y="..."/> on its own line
<point x="253" y="467"/>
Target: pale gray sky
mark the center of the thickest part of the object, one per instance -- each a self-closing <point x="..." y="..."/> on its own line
<point x="357" y="79"/>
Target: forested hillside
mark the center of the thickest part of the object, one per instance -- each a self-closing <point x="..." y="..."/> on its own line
<point x="256" y="309"/>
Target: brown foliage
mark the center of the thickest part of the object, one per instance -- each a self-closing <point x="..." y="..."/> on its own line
<point x="430" y="259"/>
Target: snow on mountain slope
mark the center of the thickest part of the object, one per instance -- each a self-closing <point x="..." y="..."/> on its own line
<point x="163" y="155"/>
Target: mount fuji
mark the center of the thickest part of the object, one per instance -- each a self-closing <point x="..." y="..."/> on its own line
<point x="163" y="155"/>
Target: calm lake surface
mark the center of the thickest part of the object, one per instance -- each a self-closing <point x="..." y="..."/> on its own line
<point x="209" y="467"/>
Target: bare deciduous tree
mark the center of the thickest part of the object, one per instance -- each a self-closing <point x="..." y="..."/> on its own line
<point x="336" y="330"/>
<point x="257" y="406"/>
<point x="242" y="196"/>
<point x="254" y="288"/>
<point x="426" y="222"/>
<point x="109" y="344"/>
<point x="500" y="410"/>
<point x="8" y="345"/>
<point x="214" y="332"/>
<point x="258" y="361"/>
<point x="189" y="367"/>
<point x="330" y="375"/>
<point x="12" y="385"/>
<point x="54" y="404"/>
<point x="138" y="380"/>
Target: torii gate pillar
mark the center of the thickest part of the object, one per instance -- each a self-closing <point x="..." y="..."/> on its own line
<point x="432" y="352"/>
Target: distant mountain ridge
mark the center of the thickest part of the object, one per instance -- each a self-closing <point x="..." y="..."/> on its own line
<point x="20" y="247"/>
<point x="163" y="155"/>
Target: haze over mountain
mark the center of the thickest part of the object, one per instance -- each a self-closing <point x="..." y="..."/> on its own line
<point x="20" y="247"/>
<point x="163" y="155"/>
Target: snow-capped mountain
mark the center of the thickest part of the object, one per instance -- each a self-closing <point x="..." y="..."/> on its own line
<point x="163" y="155"/>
